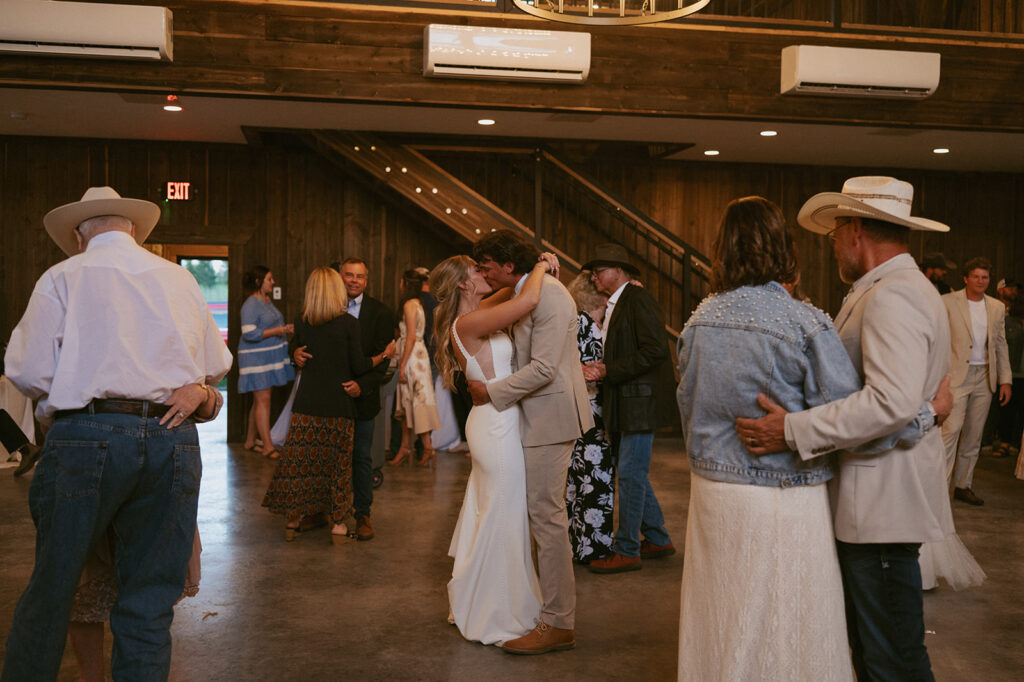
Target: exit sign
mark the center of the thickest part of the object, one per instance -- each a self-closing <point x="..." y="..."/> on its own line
<point x="178" y="191"/>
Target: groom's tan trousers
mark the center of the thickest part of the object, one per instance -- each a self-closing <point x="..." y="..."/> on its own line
<point x="546" y="469"/>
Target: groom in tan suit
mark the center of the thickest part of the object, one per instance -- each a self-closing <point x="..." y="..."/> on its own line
<point x="548" y="386"/>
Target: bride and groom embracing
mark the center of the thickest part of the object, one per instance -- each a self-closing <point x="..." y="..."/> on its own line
<point x="530" y="405"/>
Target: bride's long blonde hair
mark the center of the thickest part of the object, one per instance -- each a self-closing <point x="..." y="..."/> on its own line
<point x="444" y="282"/>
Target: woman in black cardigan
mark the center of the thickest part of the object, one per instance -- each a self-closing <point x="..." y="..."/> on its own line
<point x="314" y="475"/>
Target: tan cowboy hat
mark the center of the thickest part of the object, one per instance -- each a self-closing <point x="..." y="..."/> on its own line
<point x="613" y="255"/>
<point x="61" y="222"/>
<point x="869" y="196"/>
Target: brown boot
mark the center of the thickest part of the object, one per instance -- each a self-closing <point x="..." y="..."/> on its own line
<point x="649" y="550"/>
<point x="364" y="531"/>
<point x="616" y="563"/>
<point x="542" y="639"/>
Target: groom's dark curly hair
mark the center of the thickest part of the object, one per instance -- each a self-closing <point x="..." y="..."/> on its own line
<point x="507" y="246"/>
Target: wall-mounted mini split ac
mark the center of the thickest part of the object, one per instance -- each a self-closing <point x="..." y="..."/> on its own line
<point x="856" y="72"/>
<point x="85" y="29"/>
<point x="505" y="53"/>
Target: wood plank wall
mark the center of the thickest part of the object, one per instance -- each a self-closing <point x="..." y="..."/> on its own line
<point x="291" y="210"/>
<point x="362" y="53"/>
<point x="985" y="210"/>
<point x="287" y="209"/>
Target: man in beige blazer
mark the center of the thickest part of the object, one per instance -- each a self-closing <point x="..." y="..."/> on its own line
<point x="549" y="388"/>
<point x="980" y="363"/>
<point x="884" y="506"/>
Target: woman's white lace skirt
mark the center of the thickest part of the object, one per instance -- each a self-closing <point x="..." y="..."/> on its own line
<point x="762" y="597"/>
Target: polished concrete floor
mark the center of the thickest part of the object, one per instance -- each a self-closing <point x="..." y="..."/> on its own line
<point x="310" y="611"/>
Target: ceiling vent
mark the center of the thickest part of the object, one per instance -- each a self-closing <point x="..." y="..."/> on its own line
<point x="83" y="29"/>
<point x="505" y="54"/>
<point x="855" y="72"/>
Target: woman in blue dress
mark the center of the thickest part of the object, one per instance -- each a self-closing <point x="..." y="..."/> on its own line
<point x="263" y="360"/>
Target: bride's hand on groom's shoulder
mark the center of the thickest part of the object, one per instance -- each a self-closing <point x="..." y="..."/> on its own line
<point x="551" y="261"/>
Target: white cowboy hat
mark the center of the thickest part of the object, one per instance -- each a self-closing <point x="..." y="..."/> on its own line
<point x="61" y="222"/>
<point x="869" y="196"/>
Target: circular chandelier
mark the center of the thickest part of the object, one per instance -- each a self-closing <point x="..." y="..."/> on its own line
<point x="610" y="11"/>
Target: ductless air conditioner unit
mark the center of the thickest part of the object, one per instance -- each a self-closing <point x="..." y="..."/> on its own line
<point x="505" y="53"/>
<point x="855" y="72"/>
<point x="84" y="29"/>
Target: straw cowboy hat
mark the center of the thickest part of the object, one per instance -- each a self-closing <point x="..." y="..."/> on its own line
<point x="61" y="222"/>
<point x="613" y="255"/>
<point x="871" y="196"/>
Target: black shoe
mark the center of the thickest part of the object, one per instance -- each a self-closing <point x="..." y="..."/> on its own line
<point x="967" y="495"/>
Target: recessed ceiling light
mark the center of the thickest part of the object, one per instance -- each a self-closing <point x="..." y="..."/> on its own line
<point x="172" y="103"/>
<point x="769" y="133"/>
<point x="710" y="152"/>
<point x="486" y="121"/>
<point x="940" y="150"/>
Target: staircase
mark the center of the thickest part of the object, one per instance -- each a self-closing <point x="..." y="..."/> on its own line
<point x="572" y="212"/>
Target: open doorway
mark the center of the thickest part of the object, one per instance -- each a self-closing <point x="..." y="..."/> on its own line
<point x="209" y="265"/>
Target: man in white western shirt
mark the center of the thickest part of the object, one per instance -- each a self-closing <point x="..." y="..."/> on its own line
<point x="119" y="348"/>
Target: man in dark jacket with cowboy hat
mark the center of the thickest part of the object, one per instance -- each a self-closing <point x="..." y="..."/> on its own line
<point x="638" y="376"/>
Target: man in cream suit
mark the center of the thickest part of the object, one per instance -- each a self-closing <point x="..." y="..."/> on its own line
<point x="980" y="361"/>
<point x="548" y="386"/>
<point x="894" y="327"/>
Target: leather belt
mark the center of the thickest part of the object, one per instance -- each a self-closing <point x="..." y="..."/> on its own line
<point x="139" y="408"/>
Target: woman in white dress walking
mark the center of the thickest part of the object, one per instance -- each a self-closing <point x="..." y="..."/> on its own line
<point x="494" y="595"/>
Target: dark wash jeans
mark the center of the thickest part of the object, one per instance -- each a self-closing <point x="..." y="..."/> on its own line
<point x="884" y="611"/>
<point x="639" y="511"/>
<point x="142" y="480"/>
<point x="362" y="466"/>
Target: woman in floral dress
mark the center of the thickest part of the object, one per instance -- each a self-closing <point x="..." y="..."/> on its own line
<point x="590" y="489"/>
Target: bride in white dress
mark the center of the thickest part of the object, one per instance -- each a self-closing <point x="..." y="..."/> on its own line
<point x="494" y="595"/>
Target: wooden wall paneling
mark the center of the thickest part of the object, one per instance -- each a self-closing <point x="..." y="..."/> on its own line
<point x="333" y="51"/>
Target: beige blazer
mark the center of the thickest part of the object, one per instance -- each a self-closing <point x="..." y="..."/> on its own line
<point x="548" y="382"/>
<point x="895" y="329"/>
<point x="962" y="340"/>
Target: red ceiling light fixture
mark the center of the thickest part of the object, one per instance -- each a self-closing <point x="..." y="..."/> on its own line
<point x="172" y="103"/>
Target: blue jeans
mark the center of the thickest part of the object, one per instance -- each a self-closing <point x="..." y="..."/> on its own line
<point x="639" y="510"/>
<point x="884" y="611"/>
<point x="140" y="479"/>
<point x="362" y="466"/>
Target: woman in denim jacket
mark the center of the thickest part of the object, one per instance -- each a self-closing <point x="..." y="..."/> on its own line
<point x="762" y="597"/>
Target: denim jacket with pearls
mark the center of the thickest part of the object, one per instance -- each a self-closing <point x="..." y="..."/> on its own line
<point x="758" y="339"/>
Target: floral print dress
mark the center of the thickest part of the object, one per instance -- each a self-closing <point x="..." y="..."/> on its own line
<point x="590" y="489"/>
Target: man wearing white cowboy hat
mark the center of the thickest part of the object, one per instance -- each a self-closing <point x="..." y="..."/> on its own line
<point x="119" y="348"/>
<point x="895" y="328"/>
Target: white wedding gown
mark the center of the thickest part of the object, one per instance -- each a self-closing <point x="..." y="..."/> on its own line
<point x="494" y="594"/>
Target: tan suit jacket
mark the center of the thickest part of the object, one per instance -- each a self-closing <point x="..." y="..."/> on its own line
<point x="962" y="340"/>
<point x="895" y="329"/>
<point x="548" y="383"/>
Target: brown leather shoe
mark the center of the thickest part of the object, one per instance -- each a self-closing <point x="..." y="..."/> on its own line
<point x="541" y="640"/>
<point x="364" y="531"/>
<point x="967" y="495"/>
<point x="649" y="550"/>
<point x="616" y="563"/>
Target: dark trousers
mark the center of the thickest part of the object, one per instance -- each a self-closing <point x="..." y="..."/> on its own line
<point x="884" y="611"/>
<point x="462" y="402"/>
<point x="362" y="466"/>
<point x="1008" y="427"/>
